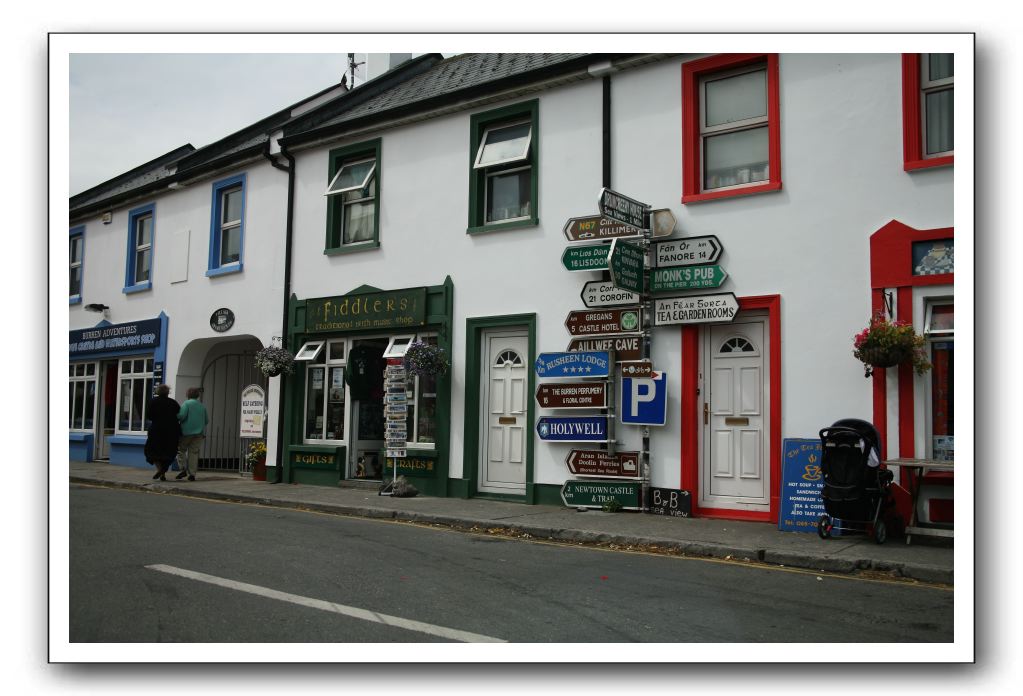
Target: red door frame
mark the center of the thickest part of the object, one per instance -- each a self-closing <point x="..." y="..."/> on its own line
<point x="690" y="452"/>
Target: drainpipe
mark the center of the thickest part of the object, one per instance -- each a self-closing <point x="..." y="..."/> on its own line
<point x="290" y="169"/>
<point x="606" y="135"/>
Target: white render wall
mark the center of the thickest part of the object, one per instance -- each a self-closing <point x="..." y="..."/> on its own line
<point x="841" y="159"/>
<point x="255" y="295"/>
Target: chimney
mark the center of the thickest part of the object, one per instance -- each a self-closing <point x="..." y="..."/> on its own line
<point x="379" y="63"/>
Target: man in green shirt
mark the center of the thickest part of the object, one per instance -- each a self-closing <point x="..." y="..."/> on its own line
<point x="193" y="418"/>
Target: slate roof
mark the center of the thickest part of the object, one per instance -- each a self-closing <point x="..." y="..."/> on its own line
<point x="145" y="174"/>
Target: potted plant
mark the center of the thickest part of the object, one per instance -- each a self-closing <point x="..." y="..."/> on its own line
<point x="256" y="458"/>
<point x="274" y="360"/>
<point x="887" y="343"/>
<point x="425" y="360"/>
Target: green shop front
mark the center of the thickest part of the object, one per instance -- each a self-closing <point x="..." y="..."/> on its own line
<point x="334" y="424"/>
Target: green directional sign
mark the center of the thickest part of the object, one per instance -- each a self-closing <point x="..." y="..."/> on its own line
<point x="596" y="494"/>
<point x="586" y="257"/>
<point x="687" y="278"/>
<point x="626" y="264"/>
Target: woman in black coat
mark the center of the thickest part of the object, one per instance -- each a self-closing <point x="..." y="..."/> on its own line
<point x="164" y="431"/>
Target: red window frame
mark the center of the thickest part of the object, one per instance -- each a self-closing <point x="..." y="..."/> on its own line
<point x="912" y="127"/>
<point x="692" y="73"/>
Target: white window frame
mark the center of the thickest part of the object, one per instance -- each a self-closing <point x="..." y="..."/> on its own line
<point x="133" y="377"/>
<point x="316" y="348"/>
<point x="508" y="160"/>
<point x="309" y="351"/>
<point x="365" y="182"/>
<point x="929" y="86"/>
<point x="139" y="248"/>
<point x="938" y="334"/>
<point x="79" y="240"/>
<point x="84" y="378"/>
<point x="230" y="225"/>
<point x="398" y="345"/>
<point x="734" y="126"/>
<point x="486" y="194"/>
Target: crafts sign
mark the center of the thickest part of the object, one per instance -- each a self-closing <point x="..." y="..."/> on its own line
<point x="625" y="347"/>
<point x="695" y="309"/>
<point x="603" y="293"/>
<point x="597" y="494"/>
<point x="572" y="395"/>
<point x="603" y="322"/>
<point x="600" y="463"/>
<point x="802" y="481"/>
<point x="572" y="428"/>
<point x="578" y="364"/>
<point x="597" y="227"/>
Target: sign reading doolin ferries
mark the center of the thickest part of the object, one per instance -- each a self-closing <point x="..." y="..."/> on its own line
<point x="372" y="310"/>
<point x="687" y="278"/>
<point x="604" y="321"/>
<point x="596" y="494"/>
<point x="602" y="293"/>
<point x="695" y="309"/>
<point x="572" y="395"/>
<point x="692" y="251"/>
<point x="626" y="264"/>
<point x="576" y="364"/>
<point x="597" y="227"/>
<point x="600" y="463"/>
<point x="626" y="347"/>
<point x="622" y="208"/>
<point x="572" y="428"/>
<point x="588" y="257"/>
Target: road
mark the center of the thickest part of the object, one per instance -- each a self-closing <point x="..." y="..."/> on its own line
<point x="149" y="567"/>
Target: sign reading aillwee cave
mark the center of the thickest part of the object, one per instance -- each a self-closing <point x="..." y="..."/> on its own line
<point x="374" y="310"/>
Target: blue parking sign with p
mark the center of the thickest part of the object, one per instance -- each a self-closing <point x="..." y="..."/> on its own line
<point x="644" y="400"/>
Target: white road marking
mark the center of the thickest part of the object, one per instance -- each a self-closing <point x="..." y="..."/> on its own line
<point x="354" y="612"/>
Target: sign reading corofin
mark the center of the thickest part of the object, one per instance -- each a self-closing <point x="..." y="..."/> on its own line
<point x="370" y="310"/>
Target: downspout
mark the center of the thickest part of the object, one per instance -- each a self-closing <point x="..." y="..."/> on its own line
<point x="606" y="135"/>
<point x="289" y="228"/>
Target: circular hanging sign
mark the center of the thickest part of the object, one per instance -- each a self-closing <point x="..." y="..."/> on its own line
<point x="222" y="320"/>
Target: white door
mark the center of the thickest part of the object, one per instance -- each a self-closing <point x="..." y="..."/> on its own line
<point x="503" y="404"/>
<point x="736" y="469"/>
<point x="106" y="403"/>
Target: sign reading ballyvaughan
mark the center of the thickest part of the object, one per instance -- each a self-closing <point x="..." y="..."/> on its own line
<point x="695" y="309"/>
<point x="575" y="364"/>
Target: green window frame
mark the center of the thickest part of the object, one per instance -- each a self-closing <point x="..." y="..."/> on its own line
<point x="479" y="126"/>
<point x="338" y="197"/>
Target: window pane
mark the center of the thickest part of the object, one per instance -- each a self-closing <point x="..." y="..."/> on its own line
<point x="353" y="175"/>
<point x="735" y="158"/>
<point x="76" y="249"/>
<point x="314" y="404"/>
<point x="90" y="405"/>
<point x="358" y="222"/>
<point x="508" y="195"/>
<point x="942" y="423"/>
<point x="90" y="369"/>
<point x="939" y="121"/>
<point x="76" y="421"/>
<point x="144" y="231"/>
<point x="139" y="366"/>
<point x="142" y="266"/>
<point x="138" y="397"/>
<point x="231" y="206"/>
<point x="149" y="364"/>
<point x="71" y="404"/>
<point x="505" y="144"/>
<point x="75" y="283"/>
<point x="427" y="410"/>
<point x="230" y="245"/>
<point x="939" y="65"/>
<point x="336" y="404"/>
<point x="336" y="350"/>
<point x="125" y="409"/>
<point x="736" y="98"/>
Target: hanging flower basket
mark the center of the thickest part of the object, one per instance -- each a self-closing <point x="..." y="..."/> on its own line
<point x="273" y="361"/>
<point x="885" y="344"/>
<point x="425" y="360"/>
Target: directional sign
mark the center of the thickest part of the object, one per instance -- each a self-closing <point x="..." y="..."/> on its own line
<point x="596" y="494"/>
<point x="600" y="463"/>
<point x="692" y="251"/>
<point x="662" y="222"/>
<point x="625" y="347"/>
<point x="695" y="309"/>
<point x="626" y="262"/>
<point x="636" y="368"/>
<point x="603" y="293"/>
<point x="687" y="278"/>
<point x="645" y="400"/>
<point x="601" y="322"/>
<point x="572" y="395"/>
<point x="584" y="363"/>
<point x="622" y="208"/>
<point x="589" y="257"/>
<point x="597" y="227"/>
<point x="572" y="428"/>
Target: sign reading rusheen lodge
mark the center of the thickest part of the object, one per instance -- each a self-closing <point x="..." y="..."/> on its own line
<point x="393" y="309"/>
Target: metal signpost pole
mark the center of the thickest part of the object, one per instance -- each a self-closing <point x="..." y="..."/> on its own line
<point x="646" y="303"/>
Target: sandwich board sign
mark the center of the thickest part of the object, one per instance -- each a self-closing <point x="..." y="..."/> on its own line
<point x="253" y="409"/>
<point x="644" y="400"/>
<point x="802" y="481"/>
<point x="603" y="293"/>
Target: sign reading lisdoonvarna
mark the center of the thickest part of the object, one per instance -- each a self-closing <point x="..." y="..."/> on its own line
<point x="373" y="310"/>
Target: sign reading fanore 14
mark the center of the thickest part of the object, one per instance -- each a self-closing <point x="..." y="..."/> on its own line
<point x="695" y="309"/>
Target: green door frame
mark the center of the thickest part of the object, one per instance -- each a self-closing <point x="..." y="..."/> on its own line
<point x="474" y="328"/>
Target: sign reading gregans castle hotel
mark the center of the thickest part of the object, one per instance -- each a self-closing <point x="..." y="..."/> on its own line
<point x="374" y="310"/>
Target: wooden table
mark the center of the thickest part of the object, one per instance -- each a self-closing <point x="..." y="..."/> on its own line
<point x="918" y="467"/>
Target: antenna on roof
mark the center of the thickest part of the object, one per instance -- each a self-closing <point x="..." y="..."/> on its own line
<point x="352" y="65"/>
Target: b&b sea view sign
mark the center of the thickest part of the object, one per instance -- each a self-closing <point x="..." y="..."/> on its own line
<point x="687" y="278"/>
<point x="604" y="321"/>
<point x="625" y="347"/>
<point x="596" y="494"/>
<point x="572" y="395"/>
<point x="695" y="309"/>
<point x="595" y="363"/>
<point x="572" y="428"/>
<point x="622" y="208"/>
<point x="597" y="227"/>
<point x="586" y="257"/>
<point x="372" y="310"/>
<point x="603" y="293"/>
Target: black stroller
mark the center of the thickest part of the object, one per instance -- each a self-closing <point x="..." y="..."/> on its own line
<point x="854" y="491"/>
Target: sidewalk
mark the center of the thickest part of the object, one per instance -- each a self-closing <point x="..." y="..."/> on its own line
<point x="692" y="536"/>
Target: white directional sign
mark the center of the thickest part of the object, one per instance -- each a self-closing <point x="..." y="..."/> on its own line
<point x="693" y="251"/>
<point x="695" y="309"/>
<point x="603" y="293"/>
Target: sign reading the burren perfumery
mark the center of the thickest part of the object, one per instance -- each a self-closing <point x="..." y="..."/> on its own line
<point x="374" y="310"/>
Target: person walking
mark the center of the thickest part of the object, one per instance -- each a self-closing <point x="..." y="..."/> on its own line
<point x="164" y="431"/>
<point x="194" y="419"/>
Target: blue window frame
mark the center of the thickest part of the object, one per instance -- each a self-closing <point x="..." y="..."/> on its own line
<point x="76" y="264"/>
<point x="227" y="226"/>
<point x="138" y="272"/>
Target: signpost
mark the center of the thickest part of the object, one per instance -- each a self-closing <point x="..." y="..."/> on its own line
<point x="597" y="227"/>
<point x="695" y="309"/>
<point x="588" y="257"/>
<point x="692" y="251"/>
<point x="625" y="347"/>
<point x="686" y="278"/>
<point x="603" y="293"/>
<point x="572" y="395"/>
<point x="601" y="463"/>
<point x="587" y="363"/>
<point x="636" y="368"/>
<point x="573" y="428"/>
<point x="596" y="494"/>
<point x="622" y="208"/>
<point x="395" y="410"/>
<point x="603" y="322"/>
<point x="625" y="262"/>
